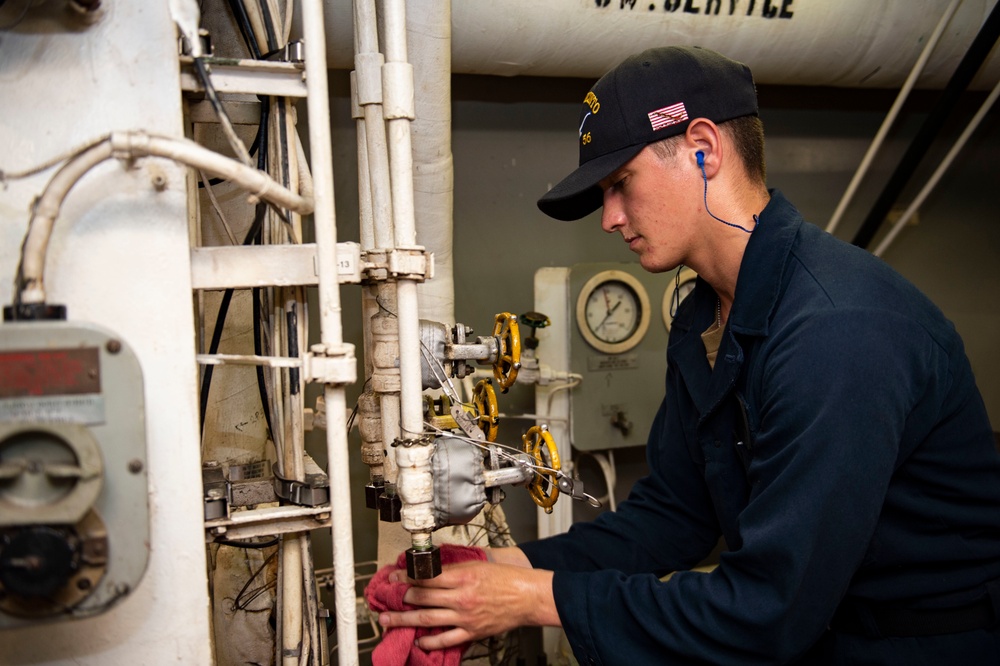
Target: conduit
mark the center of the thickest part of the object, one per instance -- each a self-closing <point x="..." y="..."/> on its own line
<point x="131" y="145"/>
<point x="958" y="83"/>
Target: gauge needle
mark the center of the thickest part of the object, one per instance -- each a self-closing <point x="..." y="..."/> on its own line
<point x="611" y="311"/>
<point x="607" y="301"/>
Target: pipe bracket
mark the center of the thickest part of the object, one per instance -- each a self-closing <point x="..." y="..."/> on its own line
<point x="331" y="364"/>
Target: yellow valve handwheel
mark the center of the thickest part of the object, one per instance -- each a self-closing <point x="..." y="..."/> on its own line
<point x="544" y="488"/>
<point x="509" y="355"/>
<point x="487" y="411"/>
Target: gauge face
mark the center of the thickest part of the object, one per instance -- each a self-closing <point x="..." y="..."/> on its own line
<point x="683" y="285"/>
<point x="613" y="311"/>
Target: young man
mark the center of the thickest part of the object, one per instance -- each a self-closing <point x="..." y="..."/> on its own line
<point x="820" y="416"/>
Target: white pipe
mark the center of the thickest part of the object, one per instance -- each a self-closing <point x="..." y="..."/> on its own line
<point x="331" y="332"/>
<point x="131" y="145"/>
<point x="291" y="600"/>
<point x="415" y="482"/>
<point x="429" y="42"/>
<point x="939" y="172"/>
<point x="848" y="43"/>
<point x="368" y="63"/>
<point x="890" y="118"/>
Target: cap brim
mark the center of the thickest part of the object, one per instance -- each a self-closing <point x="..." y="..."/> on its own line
<point x="578" y="194"/>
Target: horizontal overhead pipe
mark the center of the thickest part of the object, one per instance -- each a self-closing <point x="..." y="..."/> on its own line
<point x="849" y="43"/>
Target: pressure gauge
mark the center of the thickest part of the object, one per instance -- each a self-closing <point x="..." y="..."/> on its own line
<point x="612" y="311"/>
<point x="679" y="288"/>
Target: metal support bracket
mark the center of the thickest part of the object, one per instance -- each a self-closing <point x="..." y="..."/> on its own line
<point x="331" y="364"/>
<point x="313" y="491"/>
<point x="405" y="263"/>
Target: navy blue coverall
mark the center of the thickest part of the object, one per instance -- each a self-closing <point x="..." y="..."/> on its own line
<point x="841" y="448"/>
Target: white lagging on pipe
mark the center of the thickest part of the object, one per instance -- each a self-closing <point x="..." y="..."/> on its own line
<point x="429" y="48"/>
<point x="331" y="331"/>
<point x="414" y="483"/>
<point x="368" y="90"/>
<point x="939" y="172"/>
<point x="890" y="118"/>
<point x="131" y="145"/>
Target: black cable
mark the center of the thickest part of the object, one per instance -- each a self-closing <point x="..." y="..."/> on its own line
<point x="254" y="235"/>
<point x="272" y="38"/>
<point x="256" y="545"/>
<point x="960" y="79"/>
<point x="293" y="349"/>
<point x="243" y="21"/>
<point x="220" y="319"/>
<point x="258" y="346"/>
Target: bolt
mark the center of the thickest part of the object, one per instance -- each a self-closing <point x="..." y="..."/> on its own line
<point x="113" y="346"/>
<point x="135" y="465"/>
<point x="159" y="182"/>
<point x="83" y="584"/>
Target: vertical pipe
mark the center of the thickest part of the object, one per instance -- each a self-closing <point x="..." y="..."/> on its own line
<point x="429" y="48"/>
<point x="291" y="600"/>
<point x="890" y="118"/>
<point x="331" y="332"/>
<point x="971" y="62"/>
<point x="368" y="65"/>
<point x="414" y="461"/>
<point x="941" y="169"/>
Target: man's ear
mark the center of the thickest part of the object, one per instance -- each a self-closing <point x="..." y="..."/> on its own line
<point x="703" y="141"/>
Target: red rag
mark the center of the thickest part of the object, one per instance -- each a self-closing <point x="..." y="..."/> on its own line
<point x="398" y="646"/>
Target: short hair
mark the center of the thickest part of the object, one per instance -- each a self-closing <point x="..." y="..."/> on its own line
<point x="747" y="135"/>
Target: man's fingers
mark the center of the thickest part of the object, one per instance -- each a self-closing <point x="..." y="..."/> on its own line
<point x="445" y="639"/>
<point x="422" y="617"/>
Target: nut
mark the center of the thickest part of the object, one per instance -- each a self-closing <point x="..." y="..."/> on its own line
<point x="423" y="564"/>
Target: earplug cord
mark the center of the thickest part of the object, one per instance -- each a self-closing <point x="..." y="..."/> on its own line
<point x="700" y="156"/>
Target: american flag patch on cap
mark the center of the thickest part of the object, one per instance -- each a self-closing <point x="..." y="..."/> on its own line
<point x="667" y="116"/>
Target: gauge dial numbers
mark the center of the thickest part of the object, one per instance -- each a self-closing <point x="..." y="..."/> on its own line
<point x="612" y="311"/>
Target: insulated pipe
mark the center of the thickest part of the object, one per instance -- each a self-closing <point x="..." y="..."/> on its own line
<point x="429" y="42"/>
<point x="414" y="481"/>
<point x="848" y="43"/>
<point x="331" y="332"/>
<point x="368" y="64"/>
<point x="890" y="118"/>
<point x="963" y="75"/>
<point x="130" y="145"/>
<point x="370" y="421"/>
<point x="941" y="169"/>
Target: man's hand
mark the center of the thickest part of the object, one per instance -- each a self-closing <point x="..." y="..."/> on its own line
<point x="477" y="599"/>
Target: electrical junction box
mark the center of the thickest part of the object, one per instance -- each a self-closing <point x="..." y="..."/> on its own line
<point x="616" y="319"/>
<point x="74" y="514"/>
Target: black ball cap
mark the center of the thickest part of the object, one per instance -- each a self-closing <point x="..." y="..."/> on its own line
<point x="649" y="96"/>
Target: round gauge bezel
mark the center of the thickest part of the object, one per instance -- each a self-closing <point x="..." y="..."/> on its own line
<point x="642" y="301"/>
<point x="686" y="275"/>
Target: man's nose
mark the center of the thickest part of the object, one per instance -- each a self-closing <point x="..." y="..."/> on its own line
<point x="612" y="216"/>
